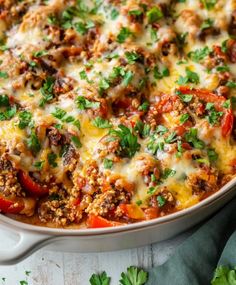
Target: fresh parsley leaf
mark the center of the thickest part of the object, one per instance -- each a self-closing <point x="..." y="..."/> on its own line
<point x="59" y="113"/>
<point x="191" y="137"/>
<point x="132" y="56"/>
<point x="127" y="78"/>
<point x="231" y="84"/>
<point x="144" y="106"/>
<point x="8" y="113"/>
<point x="24" y="119"/>
<point x="52" y="157"/>
<point x="4" y="101"/>
<point x="160" y="74"/>
<point x="107" y="163"/>
<point x="100" y="279"/>
<point x="128" y="141"/>
<point x="161" y="201"/>
<point x="76" y="141"/>
<point x="40" y="53"/>
<point x="168" y="173"/>
<point x="199" y="54"/>
<point x="83" y="103"/>
<point x="224" y="276"/>
<point x="3" y="75"/>
<point x="209" y="4"/>
<point x="134" y="276"/>
<point x="33" y="143"/>
<point x="212" y="155"/>
<point x="123" y="35"/>
<point x="114" y="14"/>
<point x="184" y="118"/>
<point x="154" y="14"/>
<point x="208" y="23"/>
<point x="213" y="116"/>
<point x="101" y="123"/>
<point x="171" y="138"/>
<point x="191" y="77"/>
<point x="39" y="166"/>
<point x="186" y="98"/>
<point x="47" y="91"/>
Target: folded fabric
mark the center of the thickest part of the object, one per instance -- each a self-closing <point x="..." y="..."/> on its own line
<point x="194" y="262"/>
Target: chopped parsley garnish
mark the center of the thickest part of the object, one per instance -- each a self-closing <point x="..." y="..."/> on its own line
<point x="161" y="201"/>
<point x="39" y="164"/>
<point x="8" y="113"/>
<point x="186" y="98"/>
<point x="83" y="103"/>
<point x="59" y="113"/>
<point x="209" y="4"/>
<point x="208" y="23"/>
<point x="199" y="54"/>
<point x="4" y="101"/>
<point x="212" y="155"/>
<point x="24" y="119"/>
<point x="227" y="104"/>
<point x="213" y="116"/>
<point x="191" y="77"/>
<point x="84" y="76"/>
<point x="100" y="279"/>
<point x="3" y="74"/>
<point x="191" y="137"/>
<point x="127" y="78"/>
<point x="133" y="276"/>
<point x="52" y="157"/>
<point x="33" y="143"/>
<point x="47" y="91"/>
<point x="154" y="14"/>
<point x="132" y="56"/>
<point x="222" y="68"/>
<point x="40" y="53"/>
<point x="231" y="84"/>
<point x="114" y="14"/>
<point x="123" y="35"/>
<point x="101" y="123"/>
<point x="76" y="141"/>
<point x="168" y="173"/>
<point x="171" y="138"/>
<point x="184" y="118"/>
<point x="144" y="106"/>
<point x="160" y="74"/>
<point x="128" y="141"/>
<point x="107" y="163"/>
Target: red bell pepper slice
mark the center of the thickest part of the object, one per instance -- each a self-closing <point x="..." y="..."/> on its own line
<point x="94" y="221"/>
<point x="33" y="188"/>
<point x="9" y="206"/>
<point x="205" y="95"/>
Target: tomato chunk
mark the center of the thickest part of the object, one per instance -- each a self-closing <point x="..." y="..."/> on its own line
<point x="100" y="222"/>
<point x="33" y="188"/>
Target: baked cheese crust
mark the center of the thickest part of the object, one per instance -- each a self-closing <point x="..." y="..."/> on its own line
<point x="113" y="111"/>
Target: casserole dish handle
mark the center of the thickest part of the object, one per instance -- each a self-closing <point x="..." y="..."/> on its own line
<point x="28" y="242"/>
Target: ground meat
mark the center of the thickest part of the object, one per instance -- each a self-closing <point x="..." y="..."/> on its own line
<point x="202" y="182"/>
<point x="54" y="136"/>
<point x="232" y="24"/>
<point x="9" y="185"/>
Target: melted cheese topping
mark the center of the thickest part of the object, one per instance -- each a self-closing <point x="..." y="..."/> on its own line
<point x="82" y="72"/>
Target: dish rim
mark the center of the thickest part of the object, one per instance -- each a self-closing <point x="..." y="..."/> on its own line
<point x="123" y="228"/>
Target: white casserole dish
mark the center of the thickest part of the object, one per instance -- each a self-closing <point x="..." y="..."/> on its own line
<point x="31" y="237"/>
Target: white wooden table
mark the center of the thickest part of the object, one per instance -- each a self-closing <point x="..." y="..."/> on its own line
<point x="58" y="268"/>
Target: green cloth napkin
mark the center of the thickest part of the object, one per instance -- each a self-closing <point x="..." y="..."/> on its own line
<point x="194" y="262"/>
